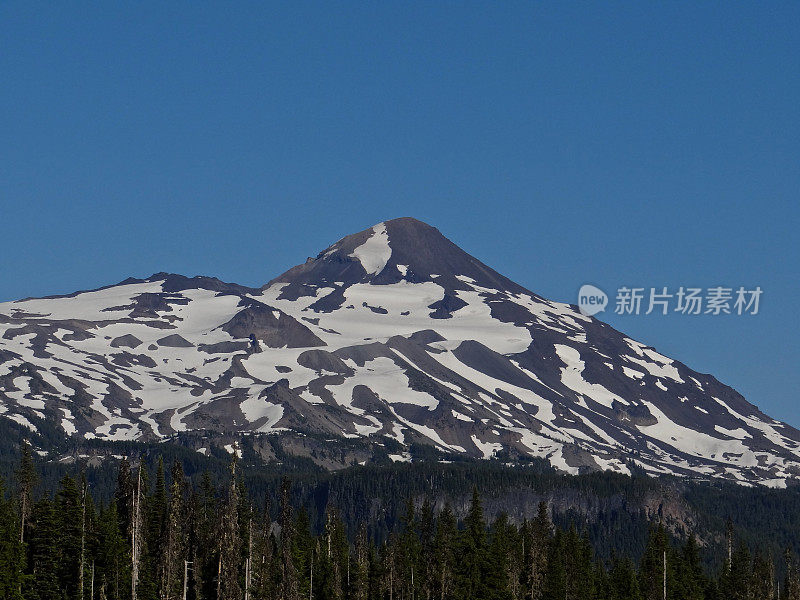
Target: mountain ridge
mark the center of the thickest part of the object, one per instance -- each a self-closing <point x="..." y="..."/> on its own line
<point x="390" y="336"/>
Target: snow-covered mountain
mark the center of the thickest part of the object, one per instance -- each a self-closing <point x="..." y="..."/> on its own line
<point x="389" y="337"/>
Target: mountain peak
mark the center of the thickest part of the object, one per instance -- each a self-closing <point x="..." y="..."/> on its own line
<point x="409" y="222"/>
<point x="399" y="249"/>
<point x="412" y="226"/>
<point x="374" y="244"/>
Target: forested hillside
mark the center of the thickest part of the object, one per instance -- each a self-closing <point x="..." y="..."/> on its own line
<point x="161" y="533"/>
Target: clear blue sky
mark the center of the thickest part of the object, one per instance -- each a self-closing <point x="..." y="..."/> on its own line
<point x="562" y="143"/>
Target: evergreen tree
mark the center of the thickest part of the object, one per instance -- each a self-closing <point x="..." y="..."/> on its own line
<point x="791" y="584"/>
<point x="689" y="581"/>
<point x="388" y="558"/>
<point x="247" y="535"/>
<point x="555" y="577"/>
<point x="288" y="577"/>
<point x="653" y="576"/>
<point x="43" y="550"/>
<point x="359" y="566"/>
<point x="263" y="558"/>
<point x="338" y="554"/>
<point x="69" y="528"/>
<point x="27" y="478"/>
<point x="305" y="555"/>
<point x="471" y="570"/>
<point x="12" y="559"/>
<point x="427" y="573"/>
<point x="124" y="496"/>
<point x="444" y="547"/>
<point x="763" y="579"/>
<point x="228" y="587"/>
<point x="737" y="585"/>
<point x="408" y="553"/>
<point x="173" y="555"/>
<point x="205" y="554"/>
<point x="623" y="583"/>
<point x="112" y="563"/>
<point x="155" y="537"/>
<point x="602" y="583"/>
<point x="583" y="573"/>
<point x="502" y="564"/>
<point x="537" y="549"/>
<point x="138" y="533"/>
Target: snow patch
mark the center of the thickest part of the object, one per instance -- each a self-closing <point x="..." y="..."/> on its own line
<point x="375" y="252"/>
<point x="487" y="448"/>
<point x="571" y="376"/>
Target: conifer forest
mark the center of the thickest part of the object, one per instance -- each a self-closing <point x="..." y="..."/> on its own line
<point x="160" y="535"/>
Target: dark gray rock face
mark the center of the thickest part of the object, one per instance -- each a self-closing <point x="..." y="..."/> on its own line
<point x="126" y="341"/>
<point x="271" y="326"/>
<point x="175" y="341"/>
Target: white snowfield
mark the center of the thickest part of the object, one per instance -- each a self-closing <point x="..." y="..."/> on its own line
<point x="494" y="369"/>
<point x="375" y="252"/>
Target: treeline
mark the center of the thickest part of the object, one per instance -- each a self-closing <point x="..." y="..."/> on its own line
<point x="162" y="538"/>
<point x="616" y="510"/>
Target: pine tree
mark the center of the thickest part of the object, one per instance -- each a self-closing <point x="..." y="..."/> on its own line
<point x="555" y="577"/>
<point x="288" y="577"/>
<point x="70" y="530"/>
<point x="247" y="535"/>
<point x="471" y="571"/>
<point x="389" y="559"/>
<point x="228" y="587"/>
<point x="738" y="584"/>
<point x="502" y="576"/>
<point x="572" y="564"/>
<point x="408" y="553"/>
<point x="359" y="569"/>
<point x="427" y="573"/>
<point x="305" y="555"/>
<point x="583" y="573"/>
<point x="27" y="478"/>
<point x="124" y="504"/>
<point x="12" y="557"/>
<point x="602" y="584"/>
<point x="112" y="556"/>
<point x="137" y="512"/>
<point x="791" y="585"/>
<point x="43" y="547"/>
<point x="124" y="496"/>
<point x="376" y="574"/>
<point x="652" y="572"/>
<point x="86" y="520"/>
<point x="726" y="583"/>
<point x="689" y="578"/>
<point x="763" y="579"/>
<point x="156" y="527"/>
<point x="623" y="583"/>
<point x="336" y="555"/>
<point x="263" y="557"/>
<point x="171" y="568"/>
<point x="445" y="554"/>
<point x="205" y="554"/>
<point x="538" y="544"/>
